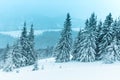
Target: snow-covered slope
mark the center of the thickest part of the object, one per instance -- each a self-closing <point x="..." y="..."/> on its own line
<point x="48" y="70"/>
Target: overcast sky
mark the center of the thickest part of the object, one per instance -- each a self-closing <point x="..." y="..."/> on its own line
<point x="13" y="10"/>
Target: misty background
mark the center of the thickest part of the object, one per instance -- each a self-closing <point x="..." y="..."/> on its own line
<point x="49" y="15"/>
<point x="46" y="14"/>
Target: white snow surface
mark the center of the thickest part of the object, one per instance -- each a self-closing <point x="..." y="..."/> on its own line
<point x="17" y="34"/>
<point x="49" y="70"/>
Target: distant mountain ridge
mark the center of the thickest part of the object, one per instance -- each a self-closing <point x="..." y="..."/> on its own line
<point x="17" y="33"/>
<point x="43" y="38"/>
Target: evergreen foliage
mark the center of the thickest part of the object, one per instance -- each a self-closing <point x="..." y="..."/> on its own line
<point x="106" y="36"/>
<point x="112" y="52"/>
<point x="97" y="41"/>
<point x="27" y="45"/>
<point x="77" y="46"/>
<point x="63" y="48"/>
<point x="6" y="53"/>
<point x="84" y="47"/>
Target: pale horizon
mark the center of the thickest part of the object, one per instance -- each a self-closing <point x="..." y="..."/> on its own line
<point x="15" y="12"/>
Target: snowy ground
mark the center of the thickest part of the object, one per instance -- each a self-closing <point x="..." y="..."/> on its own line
<point x="48" y="70"/>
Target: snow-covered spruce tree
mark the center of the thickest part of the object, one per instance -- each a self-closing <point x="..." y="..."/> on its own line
<point x="30" y="49"/>
<point x="5" y="53"/>
<point x="31" y="37"/>
<point x="92" y="23"/>
<point x="9" y="65"/>
<point x="34" y="56"/>
<point x="116" y="29"/>
<point x="77" y="47"/>
<point x="88" y="44"/>
<point x="18" y="58"/>
<point x="112" y="52"/>
<point x="63" y="47"/>
<point x="84" y="51"/>
<point x="106" y="36"/>
<point x="24" y="45"/>
<point x="87" y="51"/>
<point x="98" y="39"/>
<point x="97" y="31"/>
<point x="86" y="24"/>
<point x="27" y="46"/>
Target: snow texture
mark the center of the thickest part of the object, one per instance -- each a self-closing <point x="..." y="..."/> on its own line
<point x="49" y="70"/>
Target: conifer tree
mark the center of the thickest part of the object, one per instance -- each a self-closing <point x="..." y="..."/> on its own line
<point x="18" y="58"/>
<point x="106" y="36"/>
<point x="92" y="23"/>
<point x="88" y="44"/>
<point x="87" y="50"/>
<point x="98" y="38"/>
<point x="31" y="37"/>
<point x="63" y="48"/>
<point x="6" y="53"/>
<point x="112" y="52"/>
<point x="31" y="51"/>
<point x="86" y="24"/>
<point x="27" y="46"/>
<point x="116" y="29"/>
<point x="24" y="45"/>
<point x="9" y="65"/>
<point x="77" y="46"/>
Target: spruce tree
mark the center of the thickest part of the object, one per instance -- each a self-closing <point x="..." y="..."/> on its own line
<point x="86" y="24"/>
<point x="31" y="51"/>
<point x="106" y="36"/>
<point x="112" y="52"/>
<point x="27" y="46"/>
<point x="31" y="37"/>
<point x="63" y="48"/>
<point x="6" y="53"/>
<point x="88" y="44"/>
<point x="18" y="58"/>
<point x="24" y="45"/>
<point x="23" y="38"/>
<point x="85" y="44"/>
<point x="9" y="65"/>
<point x="98" y="39"/>
<point x="22" y="53"/>
<point x="116" y="29"/>
<point x="92" y="23"/>
<point x="77" y="46"/>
